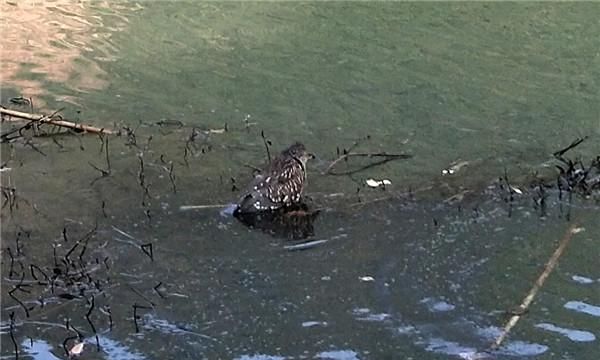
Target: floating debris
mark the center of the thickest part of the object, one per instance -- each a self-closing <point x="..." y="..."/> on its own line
<point x="314" y="323"/>
<point x="582" y="279"/>
<point x="582" y="307"/>
<point x="377" y="183"/>
<point x="365" y="314"/>
<point x="77" y="349"/>
<point x="516" y="190"/>
<point x="366" y="278"/>
<point x="216" y="131"/>
<point x="454" y="167"/>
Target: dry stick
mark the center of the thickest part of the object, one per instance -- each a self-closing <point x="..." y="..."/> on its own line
<point x="573" y="229"/>
<point x="87" y="317"/>
<point x="48" y="120"/>
<point x="12" y="334"/>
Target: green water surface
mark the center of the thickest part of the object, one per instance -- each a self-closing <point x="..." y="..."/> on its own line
<point x="408" y="272"/>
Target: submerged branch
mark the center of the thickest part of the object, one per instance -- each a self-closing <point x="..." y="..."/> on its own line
<point x="550" y="265"/>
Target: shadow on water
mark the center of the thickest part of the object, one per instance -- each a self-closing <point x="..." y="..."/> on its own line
<point x="95" y="248"/>
<point x="290" y="224"/>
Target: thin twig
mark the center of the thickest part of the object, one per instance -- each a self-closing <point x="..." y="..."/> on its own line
<point x="147" y="249"/>
<point x="197" y="207"/>
<point x="157" y="290"/>
<point x="254" y="168"/>
<point x="12" y="334"/>
<point x="386" y="157"/>
<point x="135" y="316"/>
<point x="305" y="245"/>
<point x="89" y="320"/>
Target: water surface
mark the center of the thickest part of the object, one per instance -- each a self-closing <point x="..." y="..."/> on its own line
<point x="422" y="269"/>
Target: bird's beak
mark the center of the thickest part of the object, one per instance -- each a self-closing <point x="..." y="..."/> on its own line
<point x="312" y="156"/>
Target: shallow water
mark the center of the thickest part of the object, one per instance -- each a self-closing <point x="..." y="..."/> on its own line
<point x="422" y="269"/>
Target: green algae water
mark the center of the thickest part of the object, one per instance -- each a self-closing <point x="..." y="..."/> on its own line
<point x="424" y="268"/>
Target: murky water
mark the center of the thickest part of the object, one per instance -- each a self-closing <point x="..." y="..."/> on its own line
<point x="424" y="269"/>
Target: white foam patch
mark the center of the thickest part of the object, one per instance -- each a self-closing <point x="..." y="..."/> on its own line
<point x="365" y="314"/>
<point x="522" y="348"/>
<point x="338" y="355"/>
<point x="38" y="350"/>
<point x="314" y="323"/>
<point x="406" y="330"/>
<point x="116" y="350"/>
<point x="572" y="334"/>
<point x="582" y="307"/>
<point x="582" y="279"/>
<point x="436" y="305"/>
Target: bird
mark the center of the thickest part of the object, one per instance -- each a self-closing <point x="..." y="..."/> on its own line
<point x="279" y="185"/>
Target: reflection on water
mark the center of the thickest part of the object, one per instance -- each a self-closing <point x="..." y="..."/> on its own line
<point x="287" y="224"/>
<point x="38" y="350"/>
<point x="428" y="335"/>
<point x="61" y="42"/>
<point x="41" y="350"/>
<point x="363" y="296"/>
<point x="115" y="349"/>
<point x="572" y="334"/>
<point x="582" y="307"/>
<point x="582" y="279"/>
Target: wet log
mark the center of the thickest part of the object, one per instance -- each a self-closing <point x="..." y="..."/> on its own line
<point x="45" y="119"/>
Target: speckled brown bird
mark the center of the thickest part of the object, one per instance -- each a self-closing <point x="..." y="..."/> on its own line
<point x="280" y="184"/>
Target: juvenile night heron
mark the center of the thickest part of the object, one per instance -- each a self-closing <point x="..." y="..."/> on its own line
<point x="280" y="184"/>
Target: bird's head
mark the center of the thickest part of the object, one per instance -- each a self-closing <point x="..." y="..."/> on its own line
<point x="298" y="151"/>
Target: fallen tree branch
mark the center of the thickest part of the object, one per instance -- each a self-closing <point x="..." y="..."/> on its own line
<point x="45" y="119"/>
<point x="550" y="265"/>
